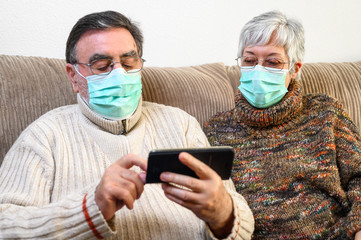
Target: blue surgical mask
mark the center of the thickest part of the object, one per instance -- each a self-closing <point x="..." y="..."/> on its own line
<point x="263" y="88"/>
<point x="116" y="95"/>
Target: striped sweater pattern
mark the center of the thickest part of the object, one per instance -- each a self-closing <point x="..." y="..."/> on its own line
<point x="297" y="163"/>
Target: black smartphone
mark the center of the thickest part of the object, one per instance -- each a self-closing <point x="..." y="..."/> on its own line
<point x="220" y="159"/>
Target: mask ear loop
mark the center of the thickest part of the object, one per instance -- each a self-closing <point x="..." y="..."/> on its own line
<point x="291" y="71"/>
<point x="291" y="67"/>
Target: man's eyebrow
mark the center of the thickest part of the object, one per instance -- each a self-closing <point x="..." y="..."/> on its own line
<point x="129" y="54"/>
<point x="98" y="56"/>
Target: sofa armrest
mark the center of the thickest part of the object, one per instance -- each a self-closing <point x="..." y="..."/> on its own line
<point x="30" y="86"/>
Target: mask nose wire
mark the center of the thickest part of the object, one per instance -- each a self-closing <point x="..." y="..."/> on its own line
<point x="114" y="67"/>
<point x="260" y="64"/>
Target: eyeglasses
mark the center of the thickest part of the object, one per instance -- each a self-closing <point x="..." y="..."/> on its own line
<point x="105" y="66"/>
<point x="270" y="64"/>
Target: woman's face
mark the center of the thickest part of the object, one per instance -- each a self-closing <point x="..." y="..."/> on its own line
<point x="264" y="52"/>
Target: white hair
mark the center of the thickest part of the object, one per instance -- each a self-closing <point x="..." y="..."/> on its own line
<point x="288" y="33"/>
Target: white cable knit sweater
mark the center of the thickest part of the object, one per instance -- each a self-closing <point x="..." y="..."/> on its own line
<point x="49" y="176"/>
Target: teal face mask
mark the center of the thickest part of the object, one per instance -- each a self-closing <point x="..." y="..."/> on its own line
<point x="263" y="88"/>
<point x="116" y="95"/>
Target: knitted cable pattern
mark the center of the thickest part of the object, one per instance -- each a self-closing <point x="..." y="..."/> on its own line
<point x="297" y="163"/>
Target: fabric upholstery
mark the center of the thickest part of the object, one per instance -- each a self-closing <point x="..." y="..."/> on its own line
<point x="339" y="80"/>
<point x="201" y="90"/>
<point x="31" y="86"/>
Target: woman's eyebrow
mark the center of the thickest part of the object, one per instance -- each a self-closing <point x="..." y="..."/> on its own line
<point x="272" y="54"/>
<point x="249" y="52"/>
<point x="275" y="54"/>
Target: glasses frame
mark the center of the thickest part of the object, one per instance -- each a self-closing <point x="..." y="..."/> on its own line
<point x="112" y="66"/>
<point x="239" y="63"/>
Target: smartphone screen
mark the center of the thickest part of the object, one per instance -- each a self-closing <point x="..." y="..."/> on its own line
<point x="220" y="159"/>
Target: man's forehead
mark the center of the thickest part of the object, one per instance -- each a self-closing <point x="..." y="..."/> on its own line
<point x="110" y="43"/>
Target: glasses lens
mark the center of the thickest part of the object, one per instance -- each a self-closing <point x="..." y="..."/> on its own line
<point x="248" y="61"/>
<point x="132" y="64"/>
<point x="274" y="63"/>
<point x="101" y="66"/>
<point x="105" y="66"/>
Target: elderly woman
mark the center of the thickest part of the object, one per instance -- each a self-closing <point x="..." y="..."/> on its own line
<point x="298" y="157"/>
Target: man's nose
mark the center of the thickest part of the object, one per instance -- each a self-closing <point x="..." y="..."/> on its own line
<point x="117" y="65"/>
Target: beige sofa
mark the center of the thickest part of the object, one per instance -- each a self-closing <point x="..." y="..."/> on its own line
<point x="31" y="86"/>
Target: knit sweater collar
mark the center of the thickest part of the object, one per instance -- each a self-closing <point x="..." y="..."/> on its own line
<point x="113" y="126"/>
<point x="280" y="113"/>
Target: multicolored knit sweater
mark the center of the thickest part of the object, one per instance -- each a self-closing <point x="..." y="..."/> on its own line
<point x="297" y="163"/>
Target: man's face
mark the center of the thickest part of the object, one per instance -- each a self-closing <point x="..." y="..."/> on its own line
<point x="114" y="43"/>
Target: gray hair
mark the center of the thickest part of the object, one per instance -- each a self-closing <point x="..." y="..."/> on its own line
<point x="101" y="21"/>
<point x="289" y="33"/>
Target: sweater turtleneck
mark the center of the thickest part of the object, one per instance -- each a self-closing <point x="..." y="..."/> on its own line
<point x="277" y="114"/>
<point x="116" y="127"/>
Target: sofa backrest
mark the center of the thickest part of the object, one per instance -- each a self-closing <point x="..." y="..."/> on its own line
<point x="31" y="86"/>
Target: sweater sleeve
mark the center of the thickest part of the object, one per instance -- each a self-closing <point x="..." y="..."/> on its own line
<point x="243" y="225"/>
<point x="348" y="154"/>
<point x="27" y="209"/>
<point x="195" y="135"/>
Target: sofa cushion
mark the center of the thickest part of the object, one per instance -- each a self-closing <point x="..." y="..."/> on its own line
<point x="200" y="90"/>
<point x="31" y="86"/>
<point x="339" y="80"/>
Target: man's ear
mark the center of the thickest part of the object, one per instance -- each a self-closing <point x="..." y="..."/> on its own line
<point x="297" y="67"/>
<point x="70" y="71"/>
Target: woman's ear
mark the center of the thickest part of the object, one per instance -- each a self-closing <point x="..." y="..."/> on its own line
<point x="297" y="66"/>
<point x="70" y="71"/>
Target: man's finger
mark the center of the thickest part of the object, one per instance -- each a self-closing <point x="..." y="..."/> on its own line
<point x="191" y="183"/>
<point x="180" y="196"/>
<point x="202" y="170"/>
<point x="131" y="160"/>
<point x="125" y="197"/>
<point x="133" y="180"/>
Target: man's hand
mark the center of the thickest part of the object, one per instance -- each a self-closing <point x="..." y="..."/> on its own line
<point x="358" y="236"/>
<point x="120" y="186"/>
<point x="206" y="197"/>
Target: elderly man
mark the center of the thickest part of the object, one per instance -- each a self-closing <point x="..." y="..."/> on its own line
<point x="79" y="170"/>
